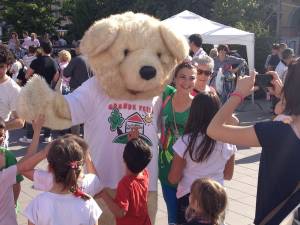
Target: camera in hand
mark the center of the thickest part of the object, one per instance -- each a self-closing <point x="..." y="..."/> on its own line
<point x="263" y="80"/>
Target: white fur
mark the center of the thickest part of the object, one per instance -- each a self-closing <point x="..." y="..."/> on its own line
<point x="37" y="98"/>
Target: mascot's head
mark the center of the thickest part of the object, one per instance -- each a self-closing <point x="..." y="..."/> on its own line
<point x="132" y="55"/>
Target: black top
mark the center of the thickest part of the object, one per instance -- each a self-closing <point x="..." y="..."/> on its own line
<point x="21" y="76"/>
<point x="78" y="70"/>
<point x="45" y="66"/>
<point x="274" y="60"/>
<point x="279" y="169"/>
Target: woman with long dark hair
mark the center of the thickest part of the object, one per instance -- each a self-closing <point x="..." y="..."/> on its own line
<point x="196" y="154"/>
<point x="279" y="168"/>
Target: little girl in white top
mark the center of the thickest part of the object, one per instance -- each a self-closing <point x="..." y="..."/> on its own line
<point x="65" y="203"/>
<point x="197" y="155"/>
<point x="88" y="182"/>
<point x="8" y="175"/>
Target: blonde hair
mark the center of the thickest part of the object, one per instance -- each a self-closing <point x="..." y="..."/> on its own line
<point x="64" y="56"/>
<point x="33" y="35"/>
<point x="210" y="197"/>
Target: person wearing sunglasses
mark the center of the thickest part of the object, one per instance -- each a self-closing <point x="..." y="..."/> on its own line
<point x="205" y="66"/>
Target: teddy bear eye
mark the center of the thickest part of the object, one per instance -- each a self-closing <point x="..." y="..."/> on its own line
<point x="126" y="51"/>
<point x="159" y="54"/>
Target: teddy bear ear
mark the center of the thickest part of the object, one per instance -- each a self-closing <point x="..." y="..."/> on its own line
<point x="99" y="37"/>
<point x="176" y="44"/>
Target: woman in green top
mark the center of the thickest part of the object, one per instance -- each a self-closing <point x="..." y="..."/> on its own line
<point x="175" y="112"/>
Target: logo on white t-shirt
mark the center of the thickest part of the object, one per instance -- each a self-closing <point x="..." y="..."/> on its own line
<point x="124" y="125"/>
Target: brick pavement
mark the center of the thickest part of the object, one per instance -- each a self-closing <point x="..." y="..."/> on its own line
<point x="241" y="189"/>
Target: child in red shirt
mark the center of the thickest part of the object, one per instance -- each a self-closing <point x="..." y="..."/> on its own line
<point x="130" y="203"/>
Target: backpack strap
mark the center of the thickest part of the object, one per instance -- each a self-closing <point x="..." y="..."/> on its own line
<point x="274" y="211"/>
<point x="162" y="135"/>
<point x="165" y="102"/>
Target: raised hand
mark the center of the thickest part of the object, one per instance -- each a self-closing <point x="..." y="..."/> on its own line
<point x="245" y="84"/>
<point x="38" y="123"/>
<point x="277" y="84"/>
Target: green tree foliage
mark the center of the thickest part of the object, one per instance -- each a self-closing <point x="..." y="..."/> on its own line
<point x="37" y="16"/>
<point x="82" y="13"/>
<point x="165" y="9"/>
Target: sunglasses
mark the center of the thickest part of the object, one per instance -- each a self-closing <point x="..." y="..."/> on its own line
<point x="205" y="72"/>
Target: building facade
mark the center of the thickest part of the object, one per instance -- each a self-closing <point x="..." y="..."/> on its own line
<point x="289" y="25"/>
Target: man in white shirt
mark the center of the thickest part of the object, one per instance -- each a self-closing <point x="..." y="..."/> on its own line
<point x="287" y="58"/>
<point x="9" y="91"/>
<point x="32" y="41"/>
<point x="195" y="42"/>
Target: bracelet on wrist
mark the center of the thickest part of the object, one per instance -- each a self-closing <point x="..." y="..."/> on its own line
<point x="237" y="94"/>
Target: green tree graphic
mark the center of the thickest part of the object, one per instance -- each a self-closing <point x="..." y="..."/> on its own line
<point x="115" y="120"/>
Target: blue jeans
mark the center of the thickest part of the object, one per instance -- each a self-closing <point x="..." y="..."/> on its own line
<point x="169" y="194"/>
<point x="228" y="88"/>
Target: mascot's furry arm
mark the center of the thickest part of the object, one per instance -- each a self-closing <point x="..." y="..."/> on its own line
<point x="37" y="98"/>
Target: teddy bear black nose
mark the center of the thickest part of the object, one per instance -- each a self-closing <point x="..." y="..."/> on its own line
<point x="147" y="72"/>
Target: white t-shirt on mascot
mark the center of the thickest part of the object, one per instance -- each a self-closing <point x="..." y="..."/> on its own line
<point x="107" y="122"/>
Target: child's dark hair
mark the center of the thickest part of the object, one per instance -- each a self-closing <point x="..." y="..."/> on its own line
<point x="6" y="56"/>
<point x="203" y="109"/>
<point x="137" y="155"/>
<point x="188" y="65"/>
<point x="66" y="159"/>
<point x="209" y="196"/>
<point x="2" y="123"/>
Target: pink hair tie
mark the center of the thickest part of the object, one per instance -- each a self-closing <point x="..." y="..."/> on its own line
<point x="237" y="94"/>
<point x="73" y="164"/>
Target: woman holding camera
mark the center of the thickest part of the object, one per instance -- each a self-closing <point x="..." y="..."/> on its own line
<point x="279" y="170"/>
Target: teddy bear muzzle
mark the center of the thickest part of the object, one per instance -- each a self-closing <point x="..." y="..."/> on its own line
<point x="147" y="72"/>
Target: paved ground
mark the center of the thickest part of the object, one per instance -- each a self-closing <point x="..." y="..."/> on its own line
<point x="241" y="189"/>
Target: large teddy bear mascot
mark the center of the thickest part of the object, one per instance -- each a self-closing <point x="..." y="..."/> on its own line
<point x="132" y="56"/>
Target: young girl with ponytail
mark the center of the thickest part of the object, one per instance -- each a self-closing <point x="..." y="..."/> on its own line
<point x="65" y="203"/>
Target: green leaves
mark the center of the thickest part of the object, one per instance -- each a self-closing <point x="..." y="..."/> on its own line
<point x="34" y="16"/>
<point x="116" y="120"/>
<point x="82" y="13"/>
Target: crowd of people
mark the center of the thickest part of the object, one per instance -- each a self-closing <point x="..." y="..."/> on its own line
<point x="198" y="138"/>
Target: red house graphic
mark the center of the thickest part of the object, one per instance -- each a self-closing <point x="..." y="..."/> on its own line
<point x="134" y="120"/>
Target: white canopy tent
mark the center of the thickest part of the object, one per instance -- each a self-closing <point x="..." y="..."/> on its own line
<point x="188" y="23"/>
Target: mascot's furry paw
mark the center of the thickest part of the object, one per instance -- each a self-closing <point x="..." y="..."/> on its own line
<point x="37" y="98"/>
